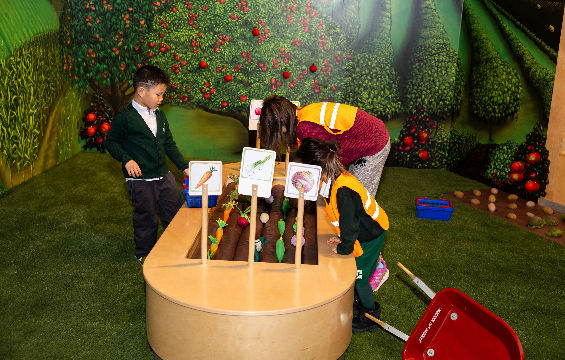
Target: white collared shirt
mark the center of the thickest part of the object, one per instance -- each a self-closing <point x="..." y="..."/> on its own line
<point x="148" y="116"/>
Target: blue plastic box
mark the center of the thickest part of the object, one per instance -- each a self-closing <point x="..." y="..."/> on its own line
<point x="196" y="201"/>
<point x="434" y="209"/>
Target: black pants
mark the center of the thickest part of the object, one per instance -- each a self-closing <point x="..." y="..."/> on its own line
<point x="148" y="198"/>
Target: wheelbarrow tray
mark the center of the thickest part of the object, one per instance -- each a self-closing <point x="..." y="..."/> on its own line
<point x="456" y="327"/>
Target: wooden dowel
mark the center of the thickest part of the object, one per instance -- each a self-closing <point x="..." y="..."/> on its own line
<point x="204" y="244"/>
<point x="257" y="141"/>
<point x="252" y="225"/>
<point x="299" y="225"/>
<point x="412" y="276"/>
<point x="381" y="323"/>
<point x="286" y="160"/>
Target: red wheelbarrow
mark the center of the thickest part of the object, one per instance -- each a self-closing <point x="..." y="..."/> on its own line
<point x="455" y="327"/>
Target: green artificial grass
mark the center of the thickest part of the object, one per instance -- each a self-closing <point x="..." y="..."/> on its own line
<point x="72" y="289"/>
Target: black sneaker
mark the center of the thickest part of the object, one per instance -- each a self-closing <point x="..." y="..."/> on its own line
<point x="360" y="322"/>
<point x="141" y="259"/>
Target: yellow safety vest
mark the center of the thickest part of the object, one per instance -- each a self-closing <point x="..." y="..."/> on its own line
<point x="332" y="116"/>
<point x="371" y="207"/>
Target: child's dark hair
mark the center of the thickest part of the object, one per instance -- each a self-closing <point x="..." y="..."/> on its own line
<point x="322" y="153"/>
<point x="148" y="76"/>
<point x="276" y="113"/>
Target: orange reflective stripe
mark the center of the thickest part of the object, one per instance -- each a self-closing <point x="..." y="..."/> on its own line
<point x="332" y="116"/>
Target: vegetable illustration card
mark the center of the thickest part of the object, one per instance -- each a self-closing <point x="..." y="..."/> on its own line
<point x="305" y="176"/>
<point x="257" y="168"/>
<point x="254" y="112"/>
<point x="205" y="172"/>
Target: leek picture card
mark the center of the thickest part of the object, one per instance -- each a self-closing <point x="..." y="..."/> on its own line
<point x="205" y="172"/>
<point x="254" y="112"/>
<point x="302" y="175"/>
<point x="257" y="168"/>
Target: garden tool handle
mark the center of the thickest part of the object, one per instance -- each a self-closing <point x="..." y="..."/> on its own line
<point x="406" y="271"/>
<point x="388" y="328"/>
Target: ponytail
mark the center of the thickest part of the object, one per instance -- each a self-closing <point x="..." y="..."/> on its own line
<point x="322" y="153"/>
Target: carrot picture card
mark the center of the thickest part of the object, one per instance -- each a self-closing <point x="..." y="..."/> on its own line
<point x="302" y="176"/>
<point x="205" y="172"/>
<point x="257" y="168"/>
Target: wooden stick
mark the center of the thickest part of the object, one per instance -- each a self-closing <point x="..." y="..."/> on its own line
<point x="204" y="244"/>
<point x="286" y="160"/>
<point x="299" y="225"/>
<point x="381" y="323"/>
<point x="257" y="141"/>
<point x="252" y="225"/>
<point x="412" y="276"/>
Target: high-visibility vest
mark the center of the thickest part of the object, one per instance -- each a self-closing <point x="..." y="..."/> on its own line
<point x="371" y="207"/>
<point x="336" y="118"/>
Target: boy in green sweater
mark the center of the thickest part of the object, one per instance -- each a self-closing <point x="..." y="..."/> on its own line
<point x="141" y="140"/>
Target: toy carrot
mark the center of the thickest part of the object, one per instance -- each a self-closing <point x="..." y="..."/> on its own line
<point x="220" y="231"/>
<point x="213" y="247"/>
<point x="207" y="175"/>
<point x="227" y="211"/>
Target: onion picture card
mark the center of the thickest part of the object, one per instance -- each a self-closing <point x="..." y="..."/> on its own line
<point x="257" y="168"/>
<point x="305" y="176"/>
<point x="254" y="113"/>
<point x="205" y="172"/>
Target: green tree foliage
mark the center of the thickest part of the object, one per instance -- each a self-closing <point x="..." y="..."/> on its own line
<point x="414" y="147"/>
<point x="500" y="159"/>
<point x="539" y="76"/>
<point x="372" y="83"/>
<point x="552" y="54"/>
<point x="452" y="147"/>
<point x="101" y="44"/>
<point x="433" y="67"/>
<point x="496" y="89"/>
<point x="201" y="43"/>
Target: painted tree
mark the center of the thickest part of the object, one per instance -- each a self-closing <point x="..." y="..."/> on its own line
<point x="222" y="54"/>
<point x="101" y="44"/>
<point x="495" y="86"/>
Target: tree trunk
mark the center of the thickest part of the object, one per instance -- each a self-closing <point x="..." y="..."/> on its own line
<point x="115" y="96"/>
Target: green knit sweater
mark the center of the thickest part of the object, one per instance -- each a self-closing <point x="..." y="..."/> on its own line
<point x="131" y="139"/>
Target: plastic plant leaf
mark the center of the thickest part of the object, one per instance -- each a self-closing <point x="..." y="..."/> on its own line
<point x="280" y="249"/>
<point x="281" y="226"/>
<point x="285" y="206"/>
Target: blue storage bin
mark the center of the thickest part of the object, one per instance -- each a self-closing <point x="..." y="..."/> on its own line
<point x="196" y="201"/>
<point x="434" y="209"/>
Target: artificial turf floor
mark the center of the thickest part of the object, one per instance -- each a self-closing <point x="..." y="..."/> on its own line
<point x="70" y="287"/>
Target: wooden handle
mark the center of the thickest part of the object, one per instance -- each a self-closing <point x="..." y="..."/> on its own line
<point x="204" y="244"/>
<point x="406" y="271"/>
<point x="252" y="225"/>
<point x="381" y="323"/>
<point x="299" y="226"/>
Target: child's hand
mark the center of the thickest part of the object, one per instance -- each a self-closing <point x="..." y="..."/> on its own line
<point x="186" y="172"/>
<point x="133" y="169"/>
<point x="333" y="240"/>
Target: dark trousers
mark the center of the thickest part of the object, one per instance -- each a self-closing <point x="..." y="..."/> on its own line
<point x="148" y="198"/>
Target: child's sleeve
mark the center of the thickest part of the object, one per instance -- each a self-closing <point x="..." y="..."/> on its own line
<point x="172" y="150"/>
<point x="114" y="139"/>
<point x="349" y="221"/>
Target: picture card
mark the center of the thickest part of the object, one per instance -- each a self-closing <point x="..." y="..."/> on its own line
<point x="257" y="168"/>
<point x="305" y="176"/>
<point x="205" y="172"/>
<point x="254" y="113"/>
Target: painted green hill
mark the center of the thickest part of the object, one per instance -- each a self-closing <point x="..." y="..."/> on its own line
<point x="21" y="20"/>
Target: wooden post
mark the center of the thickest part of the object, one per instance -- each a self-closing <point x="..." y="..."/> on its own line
<point x="257" y="141"/>
<point x="252" y="225"/>
<point x="204" y="245"/>
<point x="286" y="160"/>
<point x="299" y="223"/>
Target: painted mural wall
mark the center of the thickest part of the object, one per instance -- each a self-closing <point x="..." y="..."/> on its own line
<point x="463" y="72"/>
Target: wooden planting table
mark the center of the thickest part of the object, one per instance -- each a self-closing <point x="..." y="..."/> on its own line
<point x="231" y="310"/>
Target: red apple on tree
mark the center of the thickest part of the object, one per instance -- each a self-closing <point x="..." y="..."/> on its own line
<point x="423" y="154"/>
<point x="408" y="141"/>
<point x="533" y="157"/>
<point x="91" y="117"/>
<point x="516" y="176"/>
<point x="532" y="186"/>
<point x="286" y="74"/>
<point x="517" y="166"/>
<point x="227" y="78"/>
<point x="243" y="98"/>
<point x="313" y="68"/>
<point x="105" y="127"/>
<point x="255" y="32"/>
<point x="202" y="64"/>
<point x="91" y="130"/>
<point x="423" y="135"/>
<point x="532" y="175"/>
